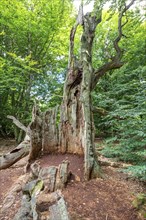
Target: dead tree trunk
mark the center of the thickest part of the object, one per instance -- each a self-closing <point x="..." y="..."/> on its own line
<point x="50" y="133"/>
<point x="36" y="134"/>
<point x="77" y="126"/>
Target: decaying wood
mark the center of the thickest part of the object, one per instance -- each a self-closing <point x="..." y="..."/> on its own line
<point x="50" y="132"/>
<point x="58" y="211"/>
<point x="19" y="124"/>
<point x="27" y="210"/>
<point x="37" y="194"/>
<point x="20" y="151"/>
<point x="62" y="175"/>
<point x="76" y="124"/>
<point x="53" y="177"/>
<point x="48" y="175"/>
<point x="52" y="206"/>
<point x="36" y="134"/>
<point x="76" y="127"/>
<point x="13" y="156"/>
<point x="44" y="132"/>
<point x="11" y="197"/>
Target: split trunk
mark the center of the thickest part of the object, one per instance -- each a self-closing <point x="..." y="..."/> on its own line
<point x="76" y="128"/>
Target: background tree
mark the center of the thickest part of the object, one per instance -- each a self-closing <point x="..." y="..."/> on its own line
<point x="121" y="97"/>
<point x="41" y="57"/>
<point x="76" y="112"/>
<point x="33" y="49"/>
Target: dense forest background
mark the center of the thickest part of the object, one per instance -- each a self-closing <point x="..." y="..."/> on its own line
<point x="34" y="44"/>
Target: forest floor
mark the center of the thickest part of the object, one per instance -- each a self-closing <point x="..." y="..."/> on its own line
<point x="109" y="198"/>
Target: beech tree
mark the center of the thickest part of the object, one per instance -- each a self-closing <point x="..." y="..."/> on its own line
<point x="75" y="133"/>
<point x="30" y="33"/>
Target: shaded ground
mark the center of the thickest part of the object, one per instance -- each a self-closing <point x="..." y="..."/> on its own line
<point x="75" y="162"/>
<point x="100" y="199"/>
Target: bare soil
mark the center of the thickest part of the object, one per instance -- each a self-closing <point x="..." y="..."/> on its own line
<point x="98" y="199"/>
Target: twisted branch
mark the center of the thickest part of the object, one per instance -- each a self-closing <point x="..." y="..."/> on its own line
<point x="115" y="62"/>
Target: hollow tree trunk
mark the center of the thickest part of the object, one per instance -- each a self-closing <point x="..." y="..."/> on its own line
<point x="77" y="126"/>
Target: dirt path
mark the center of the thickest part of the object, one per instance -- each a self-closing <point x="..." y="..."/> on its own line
<point x="99" y="199"/>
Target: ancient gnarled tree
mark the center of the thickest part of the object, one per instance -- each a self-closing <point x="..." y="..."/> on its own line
<point x="75" y="133"/>
<point x="77" y="125"/>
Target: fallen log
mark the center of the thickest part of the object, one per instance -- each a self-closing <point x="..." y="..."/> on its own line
<point x="54" y="178"/>
<point x="39" y="203"/>
<point x="13" y="156"/>
<point x="20" y="151"/>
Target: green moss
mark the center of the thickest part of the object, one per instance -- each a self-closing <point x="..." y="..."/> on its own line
<point x="140" y="204"/>
<point x="38" y="187"/>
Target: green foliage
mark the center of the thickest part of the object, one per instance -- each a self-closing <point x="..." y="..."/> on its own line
<point x="122" y="94"/>
<point x="33" y="56"/>
<point x="138" y="171"/>
<point x="140" y="204"/>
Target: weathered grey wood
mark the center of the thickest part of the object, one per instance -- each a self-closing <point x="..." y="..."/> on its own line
<point x="20" y="151"/>
<point x="28" y="209"/>
<point x="76" y="127"/>
<point x="91" y="167"/>
<point x="50" y="135"/>
<point x="54" y="177"/>
<point x="24" y="213"/>
<point x="19" y="124"/>
<point x="36" y="134"/>
<point x="48" y="175"/>
<point x="13" y="156"/>
<point x="62" y="175"/>
<point x="58" y="211"/>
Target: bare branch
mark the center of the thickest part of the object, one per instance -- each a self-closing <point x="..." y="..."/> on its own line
<point x="19" y="124"/>
<point x="115" y="62"/>
<point x="120" y="26"/>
